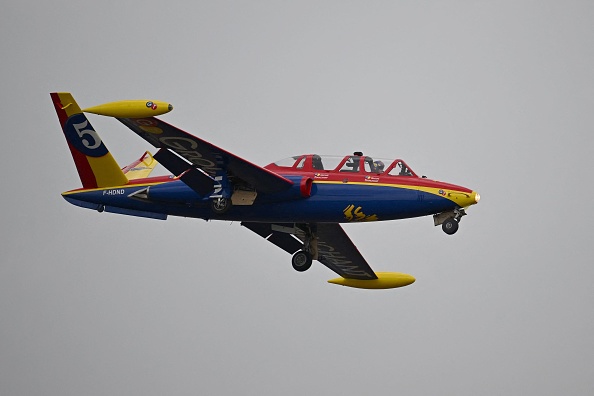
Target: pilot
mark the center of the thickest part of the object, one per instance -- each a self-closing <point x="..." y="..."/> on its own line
<point x="404" y="171"/>
<point x="316" y="162"/>
<point x="378" y="166"/>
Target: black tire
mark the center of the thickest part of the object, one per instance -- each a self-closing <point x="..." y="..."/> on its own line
<point x="220" y="205"/>
<point x="301" y="261"/>
<point x="450" y="226"/>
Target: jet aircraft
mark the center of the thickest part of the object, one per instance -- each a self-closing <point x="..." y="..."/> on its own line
<point x="297" y="203"/>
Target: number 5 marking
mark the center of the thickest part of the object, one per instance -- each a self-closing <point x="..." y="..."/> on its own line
<point x="82" y="132"/>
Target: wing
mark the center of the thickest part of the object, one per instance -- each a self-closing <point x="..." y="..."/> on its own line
<point x="335" y="249"/>
<point x="203" y="155"/>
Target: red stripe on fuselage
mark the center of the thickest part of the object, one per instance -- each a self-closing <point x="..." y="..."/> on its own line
<point x="356" y="177"/>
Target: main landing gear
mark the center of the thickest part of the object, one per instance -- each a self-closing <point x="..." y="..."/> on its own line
<point x="220" y="205"/>
<point x="303" y="259"/>
<point x="450" y="221"/>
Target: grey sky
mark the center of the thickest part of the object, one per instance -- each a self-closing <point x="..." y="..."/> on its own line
<point x="495" y="96"/>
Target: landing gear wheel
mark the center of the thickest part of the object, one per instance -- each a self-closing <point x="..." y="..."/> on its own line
<point x="220" y="205"/>
<point x="301" y="261"/>
<point x="450" y="226"/>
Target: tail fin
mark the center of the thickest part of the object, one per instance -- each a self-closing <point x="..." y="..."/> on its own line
<point x="96" y="166"/>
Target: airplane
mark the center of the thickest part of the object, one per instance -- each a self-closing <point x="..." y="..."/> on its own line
<point x="296" y="203"/>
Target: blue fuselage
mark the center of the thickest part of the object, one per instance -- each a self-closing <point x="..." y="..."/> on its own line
<point x="328" y="201"/>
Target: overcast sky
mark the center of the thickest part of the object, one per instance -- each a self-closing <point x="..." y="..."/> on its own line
<point x="495" y="96"/>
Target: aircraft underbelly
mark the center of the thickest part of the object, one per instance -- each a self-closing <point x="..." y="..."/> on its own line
<point x="336" y="203"/>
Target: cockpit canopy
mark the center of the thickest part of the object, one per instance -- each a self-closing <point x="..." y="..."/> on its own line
<point x="355" y="163"/>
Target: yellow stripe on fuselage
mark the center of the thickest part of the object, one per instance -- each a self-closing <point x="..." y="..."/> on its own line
<point x="371" y="184"/>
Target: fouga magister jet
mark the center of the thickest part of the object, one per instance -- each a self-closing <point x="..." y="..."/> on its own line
<point x="296" y="203"/>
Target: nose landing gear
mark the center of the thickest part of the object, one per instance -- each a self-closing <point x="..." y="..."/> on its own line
<point x="449" y="220"/>
<point x="450" y="226"/>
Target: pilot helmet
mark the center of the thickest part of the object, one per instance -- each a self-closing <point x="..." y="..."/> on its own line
<point x="378" y="166"/>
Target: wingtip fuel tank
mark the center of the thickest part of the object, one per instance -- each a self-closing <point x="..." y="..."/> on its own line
<point x="385" y="280"/>
<point x="131" y="108"/>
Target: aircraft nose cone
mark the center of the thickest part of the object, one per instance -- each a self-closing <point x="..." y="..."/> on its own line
<point x="464" y="199"/>
<point x="471" y="199"/>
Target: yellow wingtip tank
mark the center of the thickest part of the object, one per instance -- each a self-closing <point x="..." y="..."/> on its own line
<point x="131" y="108"/>
<point x="385" y="280"/>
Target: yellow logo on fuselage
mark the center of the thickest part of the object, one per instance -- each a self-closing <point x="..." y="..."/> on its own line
<point x="352" y="214"/>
